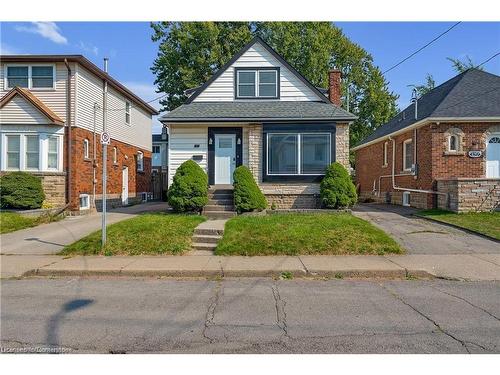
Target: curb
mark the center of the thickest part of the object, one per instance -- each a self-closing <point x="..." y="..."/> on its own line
<point x="470" y="231"/>
<point x="340" y="274"/>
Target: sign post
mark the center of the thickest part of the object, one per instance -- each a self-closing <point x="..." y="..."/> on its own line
<point x="105" y="143"/>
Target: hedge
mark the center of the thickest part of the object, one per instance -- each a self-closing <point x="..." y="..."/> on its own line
<point x="247" y="195"/>
<point x="189" y="189"/>
<point x="21" y="190"/>
<point x="337" y="189"/>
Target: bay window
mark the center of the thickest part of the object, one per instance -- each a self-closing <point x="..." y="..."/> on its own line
<point x="13" y="151"/>
<point x="53" y="154"/>
<point x="32" y="152"/>
<point x="298" y="153"/>
<point x="253" y="83"/>
<point x="30" y="76"/>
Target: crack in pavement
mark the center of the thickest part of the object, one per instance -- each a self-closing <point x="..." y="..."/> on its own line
<point x="279" y="305"/>
<point x="462" y="342"/>
<point x="209" y="316"/>
<point x="466" y="301"/>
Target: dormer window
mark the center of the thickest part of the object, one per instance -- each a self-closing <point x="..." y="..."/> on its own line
<point x="257" y="83"/>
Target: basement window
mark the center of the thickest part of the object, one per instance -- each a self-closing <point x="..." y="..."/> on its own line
<point x="406" y="198"/>
<point x="84" y="201"/>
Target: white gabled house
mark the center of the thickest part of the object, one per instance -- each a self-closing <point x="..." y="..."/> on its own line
<point x="258" y="111"/>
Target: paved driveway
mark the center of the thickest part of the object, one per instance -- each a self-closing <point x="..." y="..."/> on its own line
<point x="420" y="236"/>
<point x="51" y="238"/>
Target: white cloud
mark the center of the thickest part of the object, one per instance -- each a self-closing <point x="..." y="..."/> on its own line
<point x="48" y="30"/>
<point x="147" y="92"/>
<point x="88" y="48"/>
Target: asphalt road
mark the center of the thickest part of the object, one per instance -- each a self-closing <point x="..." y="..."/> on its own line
<point x="250" y="316"/>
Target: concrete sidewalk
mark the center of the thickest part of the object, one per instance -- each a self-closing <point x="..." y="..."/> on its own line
<point x="454" y="266"/>
<point x="51" y="238"/>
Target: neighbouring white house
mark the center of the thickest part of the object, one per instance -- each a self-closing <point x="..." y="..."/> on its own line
<point x="258" y="111"/>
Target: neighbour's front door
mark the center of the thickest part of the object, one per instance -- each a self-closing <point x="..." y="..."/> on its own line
<point x="225" y="158"/>
<point x="125" y="185"/>
<point x="493" y="157"/>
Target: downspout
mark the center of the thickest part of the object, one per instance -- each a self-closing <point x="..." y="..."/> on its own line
<point x="393" y="175"/>
<point x="69" y="140"/>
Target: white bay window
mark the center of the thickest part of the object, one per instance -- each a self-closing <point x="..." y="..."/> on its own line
<point x="298" y="153"/>
<point x="31" y="152"/>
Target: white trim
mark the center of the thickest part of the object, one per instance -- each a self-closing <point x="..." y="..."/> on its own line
<point x="425" y="122"/>
<point x="87" y="206"/>
<point x="299" y="151"/>
<point x="405" y="167"/>
<point x="25" y="165"/>
<point x="30" y="77"/>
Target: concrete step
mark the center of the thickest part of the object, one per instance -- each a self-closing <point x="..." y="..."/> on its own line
<point x="204" y="246"/>
<point x="220" y="190"/>
<point x="206" y="238"/>
<point x="220" y="202"/>
<point x="214" y="207"/>
<point x="220" y="196"/>
<point x="201" y="252"/>
<point x="216" y="215"/>
<point x="208" y="232"/>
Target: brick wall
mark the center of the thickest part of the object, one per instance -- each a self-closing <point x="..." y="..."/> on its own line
<point x="82" y="169"/>
<point x="469" y="194"/>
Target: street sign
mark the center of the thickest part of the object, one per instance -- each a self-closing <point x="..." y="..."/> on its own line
<point x="105" y="138"/>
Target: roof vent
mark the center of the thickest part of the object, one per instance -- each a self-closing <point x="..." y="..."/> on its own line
<point x="414" y="100"/>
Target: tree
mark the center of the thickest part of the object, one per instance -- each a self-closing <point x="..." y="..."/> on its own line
<point x="190" y="52"/>
<point x="429" y="84"/>
<point x="462" y="65"/>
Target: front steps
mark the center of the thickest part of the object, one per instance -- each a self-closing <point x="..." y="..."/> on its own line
<point x="206" y="235"/>
<point x="220" y="203"/>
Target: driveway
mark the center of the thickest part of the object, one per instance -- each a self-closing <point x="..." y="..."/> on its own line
<point x="420" y="236"/>
<point x="51" y="238"/>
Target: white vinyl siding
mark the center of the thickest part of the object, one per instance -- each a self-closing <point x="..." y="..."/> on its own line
<point x="291" y="87"/>
<point x="20" y="111"/>
<point x="54" y="98"/>
<point x="138" y="133"/>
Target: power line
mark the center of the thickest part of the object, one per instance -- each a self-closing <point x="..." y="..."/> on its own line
<point x="490" y="58"/>
<point x="421" y="48"/>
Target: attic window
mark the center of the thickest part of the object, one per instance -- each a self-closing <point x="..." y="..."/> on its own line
<point x="257" y="83"/>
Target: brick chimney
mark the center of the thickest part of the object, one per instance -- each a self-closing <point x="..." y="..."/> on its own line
<point x="334" y="96"/>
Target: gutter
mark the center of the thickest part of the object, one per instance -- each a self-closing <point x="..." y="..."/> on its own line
<point x="69" y="140"/>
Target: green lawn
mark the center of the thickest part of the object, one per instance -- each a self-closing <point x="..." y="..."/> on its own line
<point x="293" y="234"/>
<point x="147" y="234"/>
<point x="487" y="223"/>
<point x="11" y="221"/>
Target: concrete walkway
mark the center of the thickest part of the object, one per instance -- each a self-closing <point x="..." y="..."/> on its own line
<point x="454" y="266"/>
<point x="420" y="236"/>
<point x="50" y="238"/>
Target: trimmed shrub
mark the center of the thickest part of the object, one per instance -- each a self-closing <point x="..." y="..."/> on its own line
<point x="189" y="189"/>
<point x="337" y="189"/>
<point x="247" y="195"/>
<point x="21" y="190"/>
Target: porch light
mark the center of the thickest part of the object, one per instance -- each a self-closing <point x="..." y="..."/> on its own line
<point x="238" y="141"/>
<point x="210" y="141"/>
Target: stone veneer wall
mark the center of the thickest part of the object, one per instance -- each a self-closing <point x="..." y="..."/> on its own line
<point x="469" y="194"/>
<point x="54" y="187"/>
<point x="342" y="145"/>
<point x="291" y="195"/>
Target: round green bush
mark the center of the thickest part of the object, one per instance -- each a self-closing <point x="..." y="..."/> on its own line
<point x="247" y="195"/>
<point x="189" y="189"/>
<point x="21" y="190"/>
<point x="337" y="189"/>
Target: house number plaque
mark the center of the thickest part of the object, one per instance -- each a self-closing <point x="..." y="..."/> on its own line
<point x="475" y="154"/>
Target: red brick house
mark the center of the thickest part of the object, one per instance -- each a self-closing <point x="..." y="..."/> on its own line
<point x="51" y="117"/>
<point x="441" y="151"/>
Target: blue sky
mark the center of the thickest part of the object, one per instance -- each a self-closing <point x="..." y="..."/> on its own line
<point x="131" y="51"/>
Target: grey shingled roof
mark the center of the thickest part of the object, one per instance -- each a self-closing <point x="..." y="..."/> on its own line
<point x="473" y="93"/>
<point x="256" y="111"/>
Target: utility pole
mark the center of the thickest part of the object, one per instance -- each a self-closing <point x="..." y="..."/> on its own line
<point x="104" y="153"/>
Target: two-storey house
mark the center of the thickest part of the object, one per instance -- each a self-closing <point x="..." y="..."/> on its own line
<point x="258" y="111"/>
<point x="51" y="115"/>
